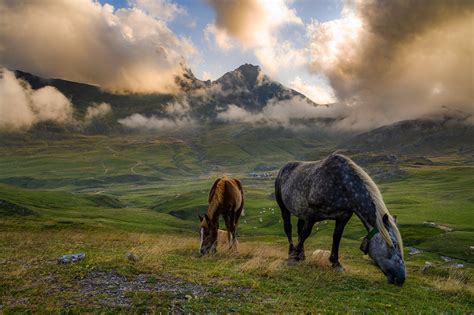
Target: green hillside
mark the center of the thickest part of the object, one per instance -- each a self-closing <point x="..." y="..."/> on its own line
<point x="109" y="196"/>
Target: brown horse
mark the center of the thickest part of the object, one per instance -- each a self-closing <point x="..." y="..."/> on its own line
<point x="226" y="198"/>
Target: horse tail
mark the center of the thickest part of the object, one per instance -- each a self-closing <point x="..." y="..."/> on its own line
<point x="278" y="191"/>
<point x="285" y="213"/>
<point x="239" y="185"/>
<point x="238" y="211"/>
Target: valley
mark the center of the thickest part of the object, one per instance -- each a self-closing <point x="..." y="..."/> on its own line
<point x="125" y="187"/>
<point x="109" y="196"/>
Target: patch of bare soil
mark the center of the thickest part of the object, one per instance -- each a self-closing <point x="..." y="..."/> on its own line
<point x="109" y="288"/>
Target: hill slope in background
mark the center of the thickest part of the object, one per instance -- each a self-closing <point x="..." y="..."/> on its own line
<point x="246" y="87"/>
<point x="250" y="89"/>
<point x="421" y="136"/>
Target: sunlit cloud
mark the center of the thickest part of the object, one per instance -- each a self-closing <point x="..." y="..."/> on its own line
<point x="125" y="50"/>
<point x="255" y="24"/>
<point x="97" y="111"/>
<point x="21" y="107"/>
<point x="320" y="94"/>
<point x="141" y="122"/>
<point x="396" y="61"/>
<point x="220" y="37"/>
<point x="159" y="9"/>
<point x="291" y="113"/>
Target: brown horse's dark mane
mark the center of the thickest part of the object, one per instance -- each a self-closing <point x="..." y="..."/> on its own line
<point x="216" y="196"/>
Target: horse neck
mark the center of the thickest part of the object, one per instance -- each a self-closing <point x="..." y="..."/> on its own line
<point x="365" y="209"/>
<point x="212" y="212"/>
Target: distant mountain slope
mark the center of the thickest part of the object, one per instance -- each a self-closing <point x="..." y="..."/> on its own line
<point x="421" y="136"/>
<point x="246" y="87"/>
<point x="83" y="95"/>
<point x="249" y="88"/>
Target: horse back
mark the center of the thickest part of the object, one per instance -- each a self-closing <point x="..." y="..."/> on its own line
<point x="231" y="192"/>
<point x="308" y="188"/>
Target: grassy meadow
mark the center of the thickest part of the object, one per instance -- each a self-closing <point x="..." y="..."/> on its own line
<point x="130" y="204"/>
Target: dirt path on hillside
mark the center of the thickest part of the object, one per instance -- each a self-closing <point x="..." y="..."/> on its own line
<point x="132" y="169"/>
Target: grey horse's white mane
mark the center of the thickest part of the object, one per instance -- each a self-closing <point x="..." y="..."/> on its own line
<point x="381" y="208"/>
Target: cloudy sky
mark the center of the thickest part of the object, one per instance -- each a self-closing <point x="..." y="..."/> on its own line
<point x="196" y="19"/>
<point x="213" y="38"/>
<point x="390" y="60"/>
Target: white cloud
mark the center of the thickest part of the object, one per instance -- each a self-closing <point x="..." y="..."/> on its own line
<point x="125" y="50"/>
<point x="178" y="107"/>
<point x="21" y="107"/>
<point x="140" y="122"/>
<point x="206" y="75"/>
<point x="396" y="61"/>
<point x="321" y="94"/>
<point x="97" y="111"/>
<point x="279" y="55"/>
<point x="177" y="112"/>
<point x="290" y="113"/>
<point x="159" y="9"/>
<point x="222" y="40"/>
<point x="255" y="24"/>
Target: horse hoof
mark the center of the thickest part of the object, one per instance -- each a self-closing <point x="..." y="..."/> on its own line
<point x="338" y="268"/>
<point x="292" y="262"/>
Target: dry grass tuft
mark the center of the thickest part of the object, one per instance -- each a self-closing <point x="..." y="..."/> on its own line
<point x="456" y="281"/>
<point x="222" y="238"/>
<point x="319" y="258"/>
<point x="259" y="249"/>
<point x="151" y="248"/>
<point x="260" y="258"/>
<point x="262" y="266"/>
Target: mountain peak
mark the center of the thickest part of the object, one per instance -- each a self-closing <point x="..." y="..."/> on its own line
<point x="247" y="75"/>
<point x="249" y="68"/>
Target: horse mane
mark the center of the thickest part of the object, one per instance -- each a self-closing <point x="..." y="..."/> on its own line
<point x="216" y="194"/>
<point x="380" y="207"/>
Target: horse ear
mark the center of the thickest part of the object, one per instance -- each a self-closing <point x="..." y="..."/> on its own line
<point x="385" y="219"/>
<point x="200" y="218"/>
<point x="208" y="221"/>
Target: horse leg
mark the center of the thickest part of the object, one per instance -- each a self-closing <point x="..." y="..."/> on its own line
<point x="225" y="216"/>
<point x="307" y="227"/>
<point x="336" y="239"/>
<point x="236" y="217"/>
<point x="300" y="231"/>
<point x="300" y="227"/>
<point x="229" y="223"/>
<point x="233" y="242"/>
<point x="285" y="214"/>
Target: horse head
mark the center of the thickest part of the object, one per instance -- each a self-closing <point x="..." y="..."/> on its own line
<point x="388" y="257"/>
<point x="208" y="235"/>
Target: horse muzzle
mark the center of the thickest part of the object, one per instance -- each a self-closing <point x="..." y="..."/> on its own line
<point x="396" y="278"/>
<point x="208" y="250"/>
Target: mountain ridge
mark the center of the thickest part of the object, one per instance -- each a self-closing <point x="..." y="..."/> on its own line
<point x="418" y="136"/>
<point x="246" y="86"/>
<point x="250" y="89"/>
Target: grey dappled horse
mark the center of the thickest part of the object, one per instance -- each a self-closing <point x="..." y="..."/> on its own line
<point x="334" y="189"/>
